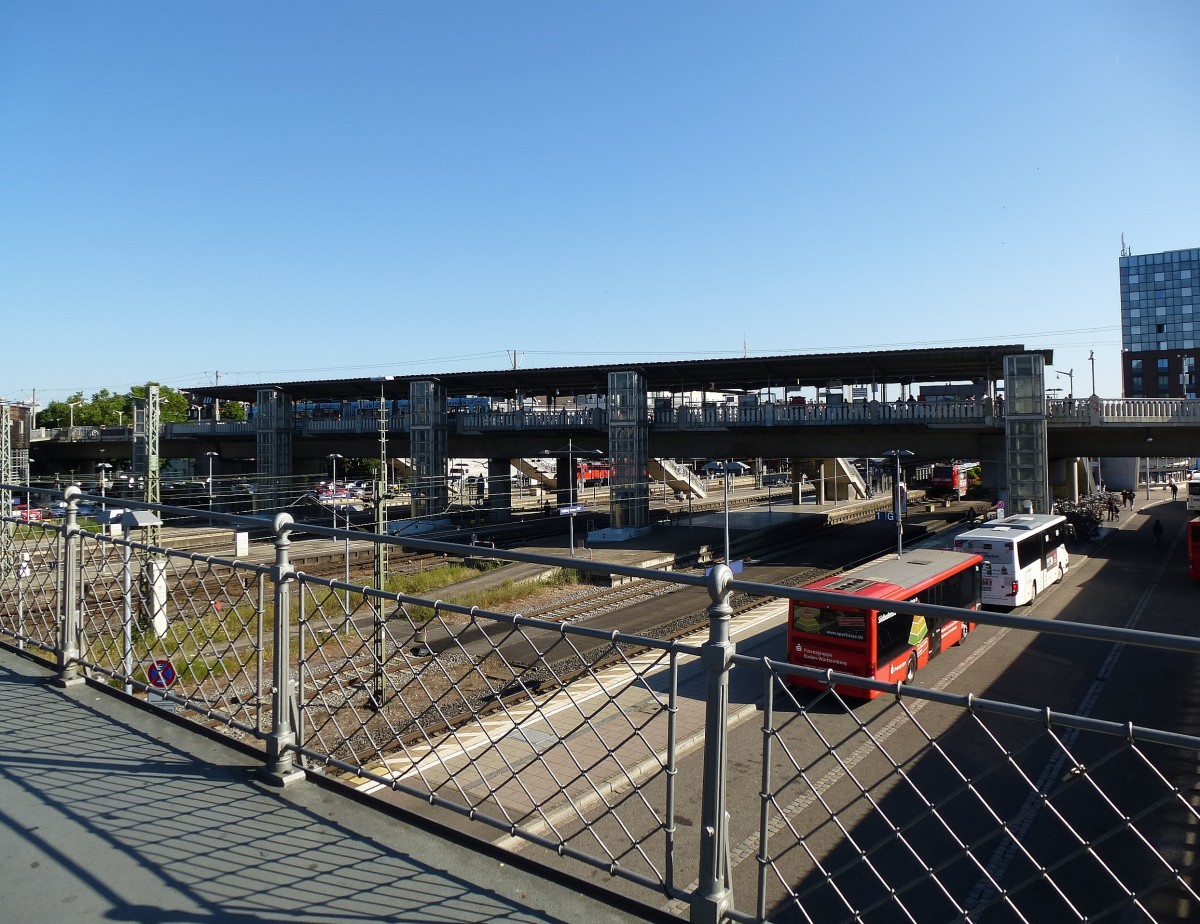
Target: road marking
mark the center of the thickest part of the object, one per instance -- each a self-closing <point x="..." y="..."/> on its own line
<point x="748" y="847"/>
<point x="985" y="888"/>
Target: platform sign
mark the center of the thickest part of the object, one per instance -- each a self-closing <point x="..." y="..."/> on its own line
<point x="161" y="673"/>
<point x="887" y="515"/>
<point x="574" y="508"/>
<point x="736" y="566"/>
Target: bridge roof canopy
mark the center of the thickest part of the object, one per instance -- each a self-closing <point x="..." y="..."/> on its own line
<point x="928" y="365"/>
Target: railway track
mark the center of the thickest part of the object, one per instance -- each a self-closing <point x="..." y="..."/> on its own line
<point x="519" y="663"/>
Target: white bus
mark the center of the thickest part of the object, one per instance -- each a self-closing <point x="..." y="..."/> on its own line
<point x="1192" y="487"/>
<point x="1022" y="555"/>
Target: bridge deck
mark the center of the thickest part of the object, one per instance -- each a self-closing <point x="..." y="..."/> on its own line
<point x="113" y="812"/>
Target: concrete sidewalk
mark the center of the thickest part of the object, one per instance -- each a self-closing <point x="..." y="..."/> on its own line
<point x="113" y="813"/>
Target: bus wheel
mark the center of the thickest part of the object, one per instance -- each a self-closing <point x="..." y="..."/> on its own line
<point x="911" y="670"/>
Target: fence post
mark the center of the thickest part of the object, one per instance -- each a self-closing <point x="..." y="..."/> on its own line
<point x="68" y="597"/>
<point x="281" y="767"/>
<point x="714" y="893"/>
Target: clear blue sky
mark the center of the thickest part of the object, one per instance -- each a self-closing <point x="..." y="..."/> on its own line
<point x="315" y="190"/>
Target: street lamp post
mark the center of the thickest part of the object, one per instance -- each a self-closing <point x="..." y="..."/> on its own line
<point x="898" y="454"/>
<point x="103" y="468"/>
<point x="1070" y="374"/>
<point x="72" y="405"/>
<point x="571" y="483"/>
<point x="211" y="455"/>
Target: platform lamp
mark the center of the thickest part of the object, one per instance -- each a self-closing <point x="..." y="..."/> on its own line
<point x="571" y="454"/>
<point x="898" y="455"/>
<point x="333" y="459"/>
<point x="211" y="455"/>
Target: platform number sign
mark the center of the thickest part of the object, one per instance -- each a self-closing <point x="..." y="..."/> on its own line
<point x="161" y="674"/>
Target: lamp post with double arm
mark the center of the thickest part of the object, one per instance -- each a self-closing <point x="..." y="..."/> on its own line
<point x="571" y="454"/>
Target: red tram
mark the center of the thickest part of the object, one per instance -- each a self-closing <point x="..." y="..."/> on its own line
<point x="593" y="474"/>
<point x="952" y="478"/>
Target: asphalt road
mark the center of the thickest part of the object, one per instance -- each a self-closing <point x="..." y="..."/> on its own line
<point x="898" y="792"/>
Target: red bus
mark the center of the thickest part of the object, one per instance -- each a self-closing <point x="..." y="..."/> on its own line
<point x="872" y="641"/>
<point x="1193" y="539"/>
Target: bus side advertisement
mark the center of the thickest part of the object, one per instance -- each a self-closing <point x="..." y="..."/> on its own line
<point x="1193" y="547"/>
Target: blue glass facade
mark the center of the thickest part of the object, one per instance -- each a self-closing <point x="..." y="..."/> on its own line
<point x="1160" y="323"/>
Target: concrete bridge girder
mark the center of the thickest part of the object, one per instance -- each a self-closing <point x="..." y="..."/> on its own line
<point x="1066" y="440"/>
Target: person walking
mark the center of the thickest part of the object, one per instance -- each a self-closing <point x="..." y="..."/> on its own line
<point x="1113" y="513"/>
<point x="1174" y="491"/>
<point x="1158" y="531"/>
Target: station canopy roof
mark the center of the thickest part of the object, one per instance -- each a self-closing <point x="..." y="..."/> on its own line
<point x="745" y="374"/>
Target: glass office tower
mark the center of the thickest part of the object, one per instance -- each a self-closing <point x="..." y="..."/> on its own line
<point x="1160" y="317"/>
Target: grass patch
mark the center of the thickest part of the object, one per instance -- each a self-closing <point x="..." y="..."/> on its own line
<point x="503" y="596"/>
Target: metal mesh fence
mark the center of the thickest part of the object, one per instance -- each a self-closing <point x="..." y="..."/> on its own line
<point x="942" y="808"/>
<point x="933" y="807"/>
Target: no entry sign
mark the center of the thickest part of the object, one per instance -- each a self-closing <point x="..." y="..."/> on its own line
<point x="161" y="674"/>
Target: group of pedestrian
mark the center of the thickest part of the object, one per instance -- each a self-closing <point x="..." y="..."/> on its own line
<point x="1127" y="499"/>
<point x="1114" y="512"/>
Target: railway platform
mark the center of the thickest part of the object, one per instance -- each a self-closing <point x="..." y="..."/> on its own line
<point x="690" y="541"/>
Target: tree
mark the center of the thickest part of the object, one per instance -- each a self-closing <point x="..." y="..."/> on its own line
<point x="233" y="410"/>
<point x="58" y="413"/>
<point x="108" y="409"/>
<point x="173" y="406"/>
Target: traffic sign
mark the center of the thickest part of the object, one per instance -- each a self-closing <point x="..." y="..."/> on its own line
<point x="567" y="511"/>
<point x="161" y="673"/>
<point x="999" y="510"/>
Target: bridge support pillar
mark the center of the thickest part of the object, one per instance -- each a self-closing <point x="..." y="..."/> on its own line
<point x="628" y="445"/>
<point x="428" y="441"/>
<point x="273" y="439"/>
<point x="1025" y="439"/>
<point x="499" y="488"/>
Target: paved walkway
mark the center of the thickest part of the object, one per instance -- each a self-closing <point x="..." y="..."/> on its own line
<point x="109" y="812"/>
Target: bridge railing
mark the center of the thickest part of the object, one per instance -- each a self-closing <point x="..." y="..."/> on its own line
<point x="849" y="414"/>
<point x="978" y="412"/>
<point x="572" y="419"/>
<point x="575" y="742"/>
